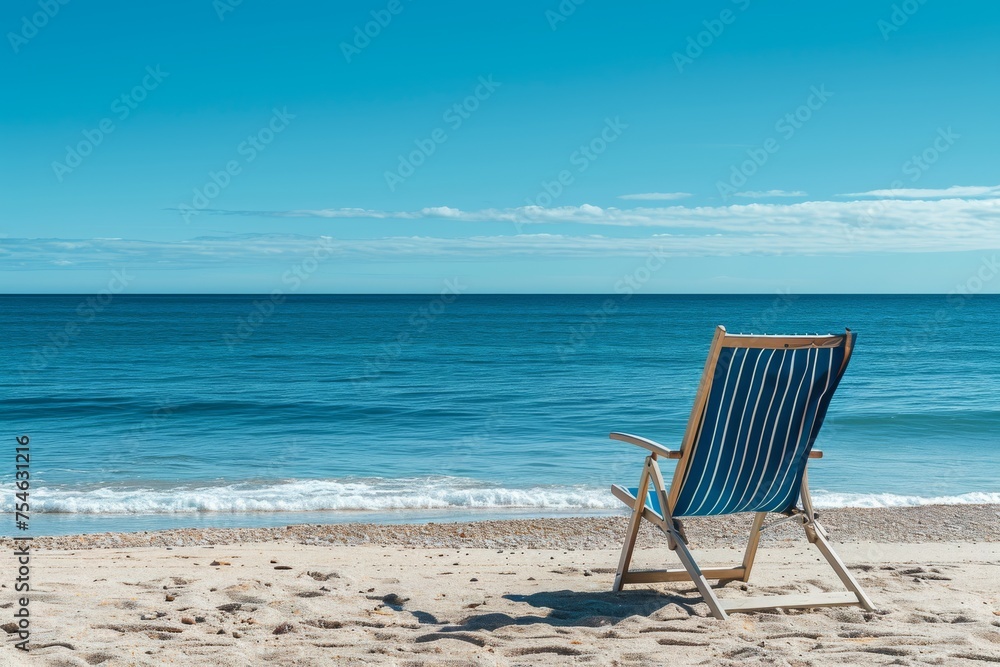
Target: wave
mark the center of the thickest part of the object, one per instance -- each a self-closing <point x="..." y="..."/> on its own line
<point x="929" y="421"/>
<point x="316" y="495"/>
<point x="830" y="499"/>
<point x="375" y="494"/>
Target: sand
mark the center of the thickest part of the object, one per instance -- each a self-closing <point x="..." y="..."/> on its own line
<point x="526" y="592"/>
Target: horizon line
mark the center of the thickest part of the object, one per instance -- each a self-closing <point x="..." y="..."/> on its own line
<point x="604" y="294"/>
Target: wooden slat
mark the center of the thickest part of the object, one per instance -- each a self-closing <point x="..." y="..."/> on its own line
<point x="622" y="494"/>
<point x="687" y="560"/>
<point x="649" y="515"/>
<point x="838" y="566"/>
<point x="782" y="342"/>
<point x="633" y="527"/>
<point x="752" y="543"/>
<point x="848" y="350"/>
<point x="652" y="576"/>
<point x="694" y="419"/>
<point x="797" y="601"/>
<point x="646" y="443"/>
<point x="659" y="488"/>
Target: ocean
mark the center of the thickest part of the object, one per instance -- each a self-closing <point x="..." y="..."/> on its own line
<point x="148" y="412"/>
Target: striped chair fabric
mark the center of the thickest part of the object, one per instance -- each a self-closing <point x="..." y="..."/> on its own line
<point x="763" y="413"/>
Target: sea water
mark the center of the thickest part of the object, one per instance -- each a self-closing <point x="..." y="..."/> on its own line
<point x="162" y="411"/>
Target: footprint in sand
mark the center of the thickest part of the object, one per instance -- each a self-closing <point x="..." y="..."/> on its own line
<point x="459" y="636"/>
<point x="535" y="650"/>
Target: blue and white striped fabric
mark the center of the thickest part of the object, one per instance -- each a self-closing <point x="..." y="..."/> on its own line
<point x="763" y="412"/>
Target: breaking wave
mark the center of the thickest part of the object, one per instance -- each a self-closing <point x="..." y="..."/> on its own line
<point x="389" y="495"/>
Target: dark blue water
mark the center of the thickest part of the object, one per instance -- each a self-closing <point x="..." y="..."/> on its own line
<point x="148" y="411"/>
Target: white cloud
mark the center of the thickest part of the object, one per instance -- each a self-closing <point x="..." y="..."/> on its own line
<point x="942" y="221"/>
<point x="811" y="228"/>
<point x="654" y="196"/>
<point x="931" y="193"/>
<point x="758" y="194"/>
<point x="802" y="228"/>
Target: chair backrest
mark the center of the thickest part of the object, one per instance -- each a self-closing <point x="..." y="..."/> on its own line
<point x="759" y="408"/>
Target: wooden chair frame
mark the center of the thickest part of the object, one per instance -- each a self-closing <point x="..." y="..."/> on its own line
<point x="673" y="529"/>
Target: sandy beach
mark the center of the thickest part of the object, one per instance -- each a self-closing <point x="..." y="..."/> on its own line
<point x="525" y="592"/>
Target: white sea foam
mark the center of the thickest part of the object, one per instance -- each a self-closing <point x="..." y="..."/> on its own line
<point x="389" y="494"/>
<point x="830" y="499"/>
<point x="314" y="495"/>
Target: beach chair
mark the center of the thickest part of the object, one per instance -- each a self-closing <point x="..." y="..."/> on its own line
<point x="759" y="406"/>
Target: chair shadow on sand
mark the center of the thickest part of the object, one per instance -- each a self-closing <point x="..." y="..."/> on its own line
<point x="573" y="609"/>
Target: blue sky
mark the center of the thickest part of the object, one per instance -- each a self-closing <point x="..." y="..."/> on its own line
<point x="737" y="146"/>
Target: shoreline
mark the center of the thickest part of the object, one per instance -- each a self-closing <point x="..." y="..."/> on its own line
<point x="919" y="524"/>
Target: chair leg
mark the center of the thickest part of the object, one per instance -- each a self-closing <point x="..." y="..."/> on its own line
<point x="838" y="566"/>
<point x="680" y="546"/>
<point x="752" y="543"/>
<point x="633" y="529"/>
<point x="817" y="535"/>
<point x="651" y="473"/>
<point x="687" y="560"/>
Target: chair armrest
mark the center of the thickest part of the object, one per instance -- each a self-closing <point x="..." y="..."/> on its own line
<point x="646" y="443"/>
<point x="815" y="454"/>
